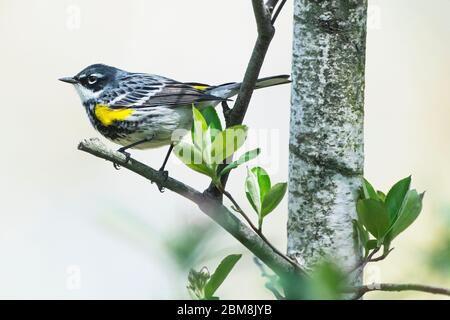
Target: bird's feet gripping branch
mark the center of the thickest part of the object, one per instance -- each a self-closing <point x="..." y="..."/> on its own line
<point x="163" y="172"/>
<point x="123" y="150"/>
<point x="127" y="158"/>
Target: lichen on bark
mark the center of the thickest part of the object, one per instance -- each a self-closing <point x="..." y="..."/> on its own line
<point x="326" y="131"/>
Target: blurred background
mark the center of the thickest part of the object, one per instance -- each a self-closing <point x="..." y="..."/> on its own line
<point x="72" y="227"/>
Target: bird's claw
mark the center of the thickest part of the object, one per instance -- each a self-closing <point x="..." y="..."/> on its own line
<point x="127" y="158"/>
<point x="164" y="173"/>
<point x="165" y="176"/>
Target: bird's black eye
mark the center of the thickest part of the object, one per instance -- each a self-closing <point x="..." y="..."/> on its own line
<point x="92" y="79"/>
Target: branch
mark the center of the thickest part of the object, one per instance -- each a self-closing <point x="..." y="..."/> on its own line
<point x="382" y="257"/>
<point x="360" y="266"/>
<point x="266" y="32"/>
<point x="361" y="290"/>
<point x="365" y="261"/>
<point x="263" y="16"/>
<point x="211" y="207"/>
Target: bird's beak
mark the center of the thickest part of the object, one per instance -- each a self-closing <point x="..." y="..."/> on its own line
<point x="69" y="80"/>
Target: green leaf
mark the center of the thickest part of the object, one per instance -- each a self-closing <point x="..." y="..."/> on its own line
<point x="371" y="244"/>
<point x="263" y="181"/>
<point x="206" y="148"/>
<point x="369" y="191"/>
<point x="409" y="211"/>
<point x="212" y="119"/>
<point x="199" y="126"/>
<point x="363" y="235"/>
<point x="327" y="282"/>
<point x="381" y="195"/>
<point x="395" y="196"/>
<point x="364" y="239"/>
<point x="227" y="142"/>
<point x="221" y="274"/>
<point x="252" y="191"/>
<point x="249" y="155"/>
<point x="192" y="157"/>
<point x="374" y="216"/>
<point x="273" y="197"/>
<point x="387" y="244"/>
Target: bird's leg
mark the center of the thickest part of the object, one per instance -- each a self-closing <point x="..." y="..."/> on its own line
<point x="165" y="173"/>
<point x="127" y="154"/>
<point x="166" y="158"/>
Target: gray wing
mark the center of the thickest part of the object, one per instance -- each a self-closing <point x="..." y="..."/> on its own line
<point x="143" y="91"/>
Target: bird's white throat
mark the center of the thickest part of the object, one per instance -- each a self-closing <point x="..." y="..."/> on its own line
<point x="85" y="93"/>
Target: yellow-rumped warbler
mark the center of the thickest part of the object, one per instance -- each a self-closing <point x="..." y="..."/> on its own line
<point x="139" y="110"/>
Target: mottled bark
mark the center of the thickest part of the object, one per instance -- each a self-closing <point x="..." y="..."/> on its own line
<point x="326" y="140"/>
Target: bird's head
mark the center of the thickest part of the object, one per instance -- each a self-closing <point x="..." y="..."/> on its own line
<point x="91" y="81"/>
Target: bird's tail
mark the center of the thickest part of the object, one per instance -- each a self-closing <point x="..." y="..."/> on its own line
<point x="272" y="81"/>
<point x="228" y="90"/>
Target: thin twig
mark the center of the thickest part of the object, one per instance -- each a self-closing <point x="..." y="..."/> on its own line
<point x="382" y="257"/>
<point x="257" y="231"/>
<point x="370" y="258"/>
<point x="238" y="209"/>
<point x="365" y="261"/>
<point x="361" y="290"/>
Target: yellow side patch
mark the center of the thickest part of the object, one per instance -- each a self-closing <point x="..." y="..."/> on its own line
<point x="107" y="115"/>
<point x="200" y="87"/>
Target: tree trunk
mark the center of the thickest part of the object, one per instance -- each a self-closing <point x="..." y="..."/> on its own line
<point x="326" y="131"/>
